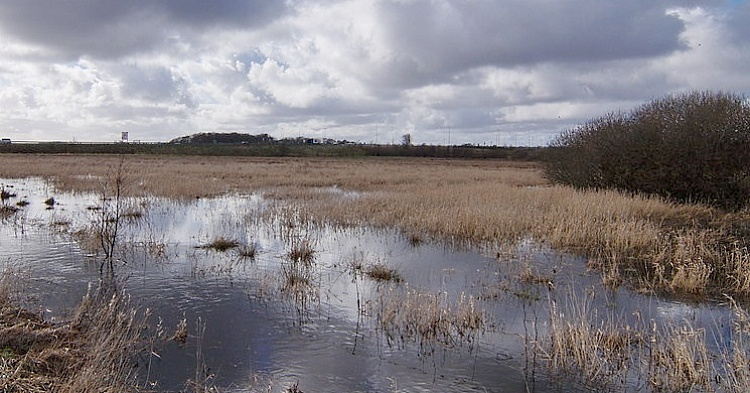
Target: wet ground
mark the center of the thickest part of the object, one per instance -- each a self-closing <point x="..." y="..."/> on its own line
<point x="269" y="322"/>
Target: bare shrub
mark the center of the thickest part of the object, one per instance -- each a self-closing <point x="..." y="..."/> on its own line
<point x="689" y="147"/>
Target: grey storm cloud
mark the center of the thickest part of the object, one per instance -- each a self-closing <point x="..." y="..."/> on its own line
<point x="438" y="41"/>
<point x="114" y="28"/>
<point x="473" y="68"/>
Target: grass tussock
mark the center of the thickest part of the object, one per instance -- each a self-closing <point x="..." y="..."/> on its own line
<point x="249" y="251"/>
<point x="93" y="352"/>
<point x="302" y="252"/>
<point x="409" y="315"/>
<point x="382" y="272"/>
<point x="6" y="194"/>
<point x="220" y="244"/>
<point x="378" y="271"/>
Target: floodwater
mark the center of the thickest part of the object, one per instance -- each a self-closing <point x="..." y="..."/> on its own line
<point x="252" y="330"/>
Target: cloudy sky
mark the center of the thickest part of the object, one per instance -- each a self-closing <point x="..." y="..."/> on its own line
<point x="446" y="71"/>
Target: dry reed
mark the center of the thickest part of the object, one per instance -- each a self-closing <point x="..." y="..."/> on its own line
<point x="220" y="244"/>
<point x="408" y="315"/>
<point x="94" y="352"/>
<point x="599" y="351"/>
<point x="679" y="360"/>
<point x="302" y="252"/>
<point x="609" y="353"/>
<point x="645" y="242"/>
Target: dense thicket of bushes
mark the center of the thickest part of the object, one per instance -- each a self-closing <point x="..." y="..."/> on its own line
<point x="689" y="147"/>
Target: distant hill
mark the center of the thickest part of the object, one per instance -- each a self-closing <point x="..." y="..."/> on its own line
<point x="232" y="138"/>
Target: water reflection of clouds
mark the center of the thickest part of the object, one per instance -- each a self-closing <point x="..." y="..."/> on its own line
<point x="336" y="346"/>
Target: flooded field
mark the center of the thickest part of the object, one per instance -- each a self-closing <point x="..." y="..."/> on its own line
<point x="271" y="303"/>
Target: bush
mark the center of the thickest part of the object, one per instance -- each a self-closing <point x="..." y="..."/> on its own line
<point x="692" y="147"/>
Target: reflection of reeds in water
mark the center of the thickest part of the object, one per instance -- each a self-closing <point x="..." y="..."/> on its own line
<point x="299" y="275"/>
<point x="6" y="211"/>
<point x="299" y="284"/>
<point x="412" y="316"/>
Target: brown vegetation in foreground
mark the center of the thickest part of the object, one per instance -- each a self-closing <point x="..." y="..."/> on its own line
<point x="646" y="242"/>
<point x="93" y="352"/>
<point x="607" y="352"/>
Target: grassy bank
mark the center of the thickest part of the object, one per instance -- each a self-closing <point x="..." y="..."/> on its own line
<point x="647" y="243"/>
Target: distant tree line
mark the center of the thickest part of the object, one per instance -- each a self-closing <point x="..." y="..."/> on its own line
<point x="689" y="147"/>
<point x="297" y="147"/>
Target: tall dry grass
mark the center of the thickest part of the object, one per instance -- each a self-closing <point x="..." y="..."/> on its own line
<point x="409" y="315"/>
<point x="646" y="242"/>
<point x="600" y="349"/>
<point x="607" y="352"/>
<point x="93" y="352"/>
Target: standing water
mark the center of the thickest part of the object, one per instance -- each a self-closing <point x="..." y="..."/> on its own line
<point x="363" y="310"/>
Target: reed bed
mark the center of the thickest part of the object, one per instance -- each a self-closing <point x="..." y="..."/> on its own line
<point x="648" y="243"/>
<point x="601" y="351"/>
<point x="607" y="352"/>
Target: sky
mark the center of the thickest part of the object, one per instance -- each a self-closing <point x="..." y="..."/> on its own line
<point x="485" y="72"/>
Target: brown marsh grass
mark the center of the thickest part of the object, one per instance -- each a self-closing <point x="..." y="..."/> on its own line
<point x="93" y="352"/>
<point x="301" y="252"/>
<point x="599" y="350"/>
<point x="610" y="353"/>
<point x="409" y="315"/>
<point x="382" y="272"/>
<point x="645" y="242"/>
<point x="220" y="244"/>
<point x="376" y="270"/>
